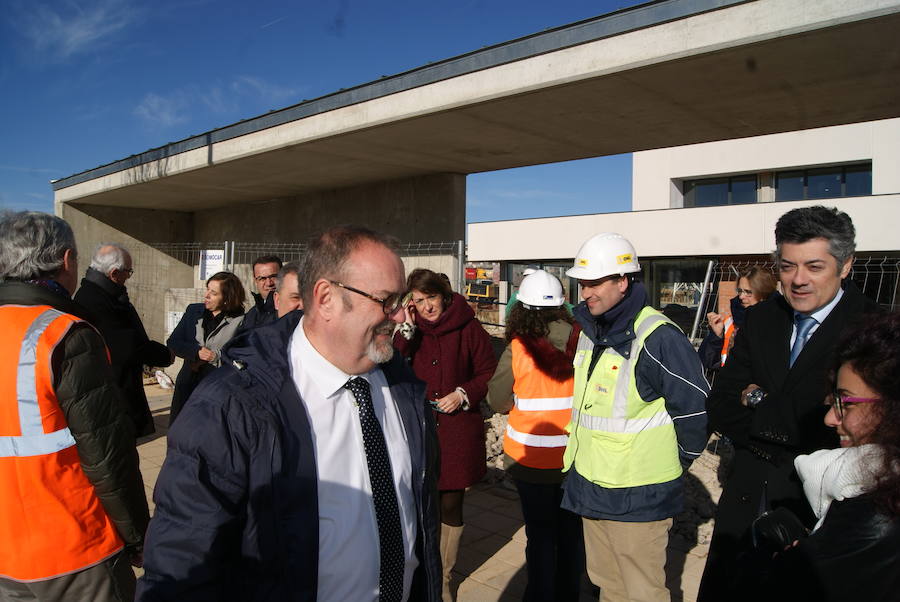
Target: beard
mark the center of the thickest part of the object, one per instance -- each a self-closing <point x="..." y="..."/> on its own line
<point x="381" y="351"/>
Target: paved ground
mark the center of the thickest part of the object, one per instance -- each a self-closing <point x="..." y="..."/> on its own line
<point x="491" y="563"/>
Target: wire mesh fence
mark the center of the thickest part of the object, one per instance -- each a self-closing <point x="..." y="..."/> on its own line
<point x="170" y="276"/>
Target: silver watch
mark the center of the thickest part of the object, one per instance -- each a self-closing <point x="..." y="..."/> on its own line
<point x="754" y="397"/>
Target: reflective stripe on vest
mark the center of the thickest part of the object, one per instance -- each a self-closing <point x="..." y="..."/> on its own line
<point x="617" y="439"/>
<point x="536" y="431"/>
<point x="536" y="440"/>
<point x="51" y="519"/>
<point x="543" y="404"/>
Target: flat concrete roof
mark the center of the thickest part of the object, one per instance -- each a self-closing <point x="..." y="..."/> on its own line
<point x="663" y="74"/>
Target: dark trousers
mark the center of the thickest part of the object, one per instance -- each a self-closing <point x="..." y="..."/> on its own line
<point x="555" y="548"/>
<point x="110" y="581"/>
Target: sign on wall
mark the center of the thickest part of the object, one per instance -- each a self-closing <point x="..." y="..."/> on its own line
<point x="211" y="261"/>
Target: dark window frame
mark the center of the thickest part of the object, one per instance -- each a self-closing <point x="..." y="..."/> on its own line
<point x="689" y="186"/>
<point x="843" y="169"/>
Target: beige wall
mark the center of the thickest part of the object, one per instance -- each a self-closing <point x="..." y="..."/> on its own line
<point x="702" y="231"/>
<point x="877" y="141"/>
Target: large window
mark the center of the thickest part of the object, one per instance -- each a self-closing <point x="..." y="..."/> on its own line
<point x="712" y="192"/>
<point x="824" y="183"/>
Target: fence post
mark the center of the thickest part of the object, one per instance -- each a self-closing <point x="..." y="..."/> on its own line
<point x="461" y="266"/>
<point x="703" y="295"/>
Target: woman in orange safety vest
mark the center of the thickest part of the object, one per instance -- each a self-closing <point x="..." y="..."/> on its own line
<point x="533" y="383"/>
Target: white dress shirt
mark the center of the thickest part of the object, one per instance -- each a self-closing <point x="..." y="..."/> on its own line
<point x="348" y="532"/>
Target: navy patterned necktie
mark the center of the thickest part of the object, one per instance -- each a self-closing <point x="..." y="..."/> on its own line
<point x="387" y="513"/>
<point x="804" y="325"/>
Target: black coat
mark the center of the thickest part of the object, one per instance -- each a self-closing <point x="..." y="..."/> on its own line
<point x="263" y="312"/>
<point x="788" y="422"/>
<point x="130" y="349"/>
<point x="854" y="555"/>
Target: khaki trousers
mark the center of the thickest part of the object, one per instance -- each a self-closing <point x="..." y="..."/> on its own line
<point x="627" y="560"/>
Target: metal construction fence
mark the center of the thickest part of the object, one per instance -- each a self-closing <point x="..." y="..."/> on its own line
<point x="169" y="276"/>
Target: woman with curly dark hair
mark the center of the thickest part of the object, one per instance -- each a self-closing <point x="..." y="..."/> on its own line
<point x="533" y="383"/>
<point x="853" y="553"/>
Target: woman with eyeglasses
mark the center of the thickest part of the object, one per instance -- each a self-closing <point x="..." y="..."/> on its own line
<point x="452" y="353"/>
<point x="853" y="553"/>
<point x="202" y="332"/>
<point x="754" y="285"/>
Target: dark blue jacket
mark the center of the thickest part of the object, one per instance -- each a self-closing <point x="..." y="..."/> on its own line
<point x="236" y="502"/>
<point x="263" y="312"/>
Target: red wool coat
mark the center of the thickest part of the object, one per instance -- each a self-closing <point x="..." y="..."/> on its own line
<point x="454" y="351"/>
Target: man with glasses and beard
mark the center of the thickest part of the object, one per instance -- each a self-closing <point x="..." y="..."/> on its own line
<point x="306" y="468"/>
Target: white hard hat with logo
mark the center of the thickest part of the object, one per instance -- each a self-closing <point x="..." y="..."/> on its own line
<point x="540" y="289"/>
<point x="602" y="255"/>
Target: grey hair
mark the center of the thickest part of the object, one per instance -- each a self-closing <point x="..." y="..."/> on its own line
<point x="807" y="223"/>
<point x="289" y="268"/>
<point x="113" y="258"/>
<point x="33" y="245"/>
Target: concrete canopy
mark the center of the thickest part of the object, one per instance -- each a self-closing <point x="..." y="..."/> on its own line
<point x="745" y="69"/>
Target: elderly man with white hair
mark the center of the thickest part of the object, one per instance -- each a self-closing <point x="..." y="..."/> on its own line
<point x="104" y="296"/>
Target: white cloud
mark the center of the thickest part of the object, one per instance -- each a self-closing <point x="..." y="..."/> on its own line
<point x="256" y="88"/>
<point x="62" y="30"/>
<point x="163" y="111"/>
<point x="242" y="94"/>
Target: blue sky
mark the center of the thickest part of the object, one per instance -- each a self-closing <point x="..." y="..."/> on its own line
<point x="87" y="82"/>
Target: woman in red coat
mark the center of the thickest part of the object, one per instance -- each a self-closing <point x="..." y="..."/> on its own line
<point x="452" y="353"/>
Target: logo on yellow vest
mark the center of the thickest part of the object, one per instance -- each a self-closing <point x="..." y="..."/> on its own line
<point x="602" y="389"/>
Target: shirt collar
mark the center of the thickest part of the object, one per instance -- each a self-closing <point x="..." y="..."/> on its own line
<point x="821" y="314"/>
<point x="329" y="378"/>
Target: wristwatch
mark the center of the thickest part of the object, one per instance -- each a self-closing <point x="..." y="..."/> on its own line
<point x="754" y="397"/>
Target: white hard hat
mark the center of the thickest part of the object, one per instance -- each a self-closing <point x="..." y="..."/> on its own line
<point x="602" y="255"/>
<point x="541" y="289"/>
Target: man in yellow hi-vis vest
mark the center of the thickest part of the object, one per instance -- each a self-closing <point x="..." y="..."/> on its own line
<point x="638" y="421"/>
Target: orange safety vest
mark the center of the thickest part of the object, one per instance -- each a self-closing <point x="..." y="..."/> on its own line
<point x="51" y="520"/>
<point x="536" y="432"/>
<point x="728" y="335"/>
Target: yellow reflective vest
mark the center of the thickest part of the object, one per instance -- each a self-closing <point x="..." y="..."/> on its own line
<point x="616" y="439"/>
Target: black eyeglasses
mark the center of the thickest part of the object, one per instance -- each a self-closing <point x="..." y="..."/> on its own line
<point x="840" y="402"/>
<point x="744" y="291"/>
<point x="390" y="304"/>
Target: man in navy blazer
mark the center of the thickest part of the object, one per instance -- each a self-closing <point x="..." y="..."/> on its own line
<point x="267" y="488"/>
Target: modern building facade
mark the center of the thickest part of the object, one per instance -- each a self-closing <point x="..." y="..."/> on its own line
<point x="719" y="202"/>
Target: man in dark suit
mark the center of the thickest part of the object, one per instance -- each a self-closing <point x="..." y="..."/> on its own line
<point x="769" y="397"/>
<point x="104" y="296"/>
